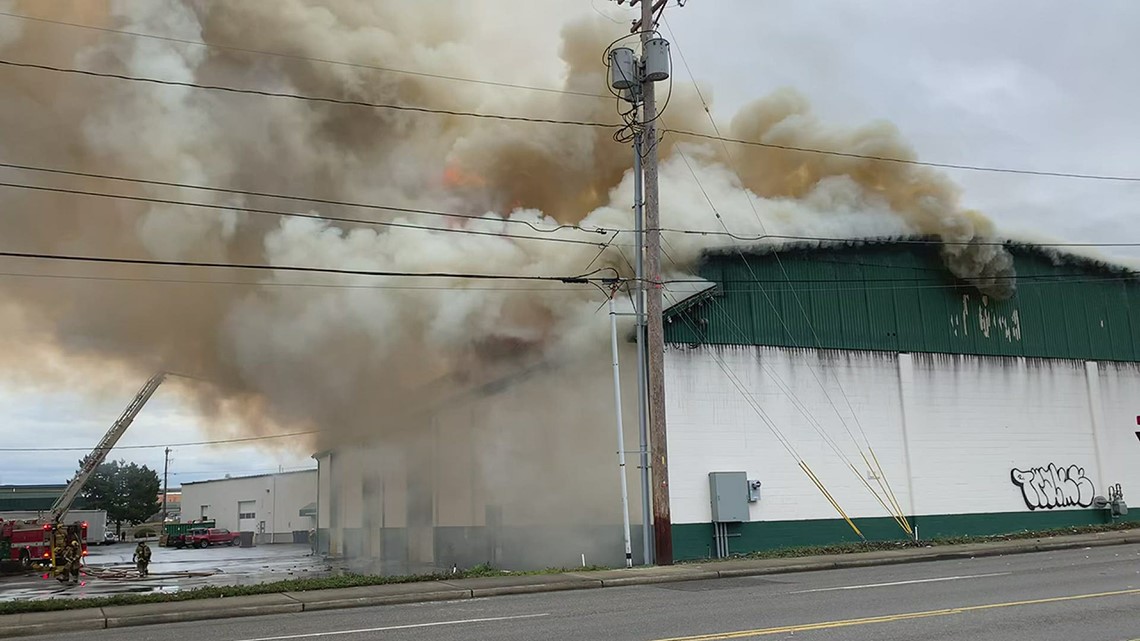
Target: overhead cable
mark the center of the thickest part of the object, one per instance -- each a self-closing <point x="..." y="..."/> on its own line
<point x="294" y="96"/>
<point x="317" y="217"/>
<point x="907" y="161"/>
<point x="581" y="278"/>
<point x="276" y="284"/>
<point x="536" y="227"/>
<point x="162" y="445"/>
<point x="304" y="199"/>
<point x="900" y="516"/>
<point x="290" y="56"/>
<point x="578" y="123"/>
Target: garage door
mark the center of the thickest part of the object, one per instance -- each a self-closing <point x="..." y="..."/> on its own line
<point x="247" y="516"/>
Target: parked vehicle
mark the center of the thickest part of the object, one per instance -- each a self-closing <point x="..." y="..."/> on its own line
<point x="172" y="532"/>
<point x="205" y="537"/>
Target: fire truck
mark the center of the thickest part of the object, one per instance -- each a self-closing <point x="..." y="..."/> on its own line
<point x="30" y="541"/>
<point x="40" y="541"/>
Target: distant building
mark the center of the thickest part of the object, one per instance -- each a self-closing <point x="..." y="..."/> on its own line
<point x="861" y="378"/>
<point x="33" y="498"/>
<point x="278" y="508"/>
<point x="173" y="504"/>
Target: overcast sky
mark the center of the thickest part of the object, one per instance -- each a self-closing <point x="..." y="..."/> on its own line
<point x="1043" y="85"/>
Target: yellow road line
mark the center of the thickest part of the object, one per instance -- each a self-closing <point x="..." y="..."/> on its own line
<point x="890" y="618"/>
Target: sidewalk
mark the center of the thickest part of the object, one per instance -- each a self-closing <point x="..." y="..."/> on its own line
<point x="197" y="610"/>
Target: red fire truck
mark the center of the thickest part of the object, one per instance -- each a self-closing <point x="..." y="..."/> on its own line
<point x="30" y="541"/>
<point x="39" y="541"/>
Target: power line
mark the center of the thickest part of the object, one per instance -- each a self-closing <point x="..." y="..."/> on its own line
<point x="916" y="283"/>
<point x="289" y="56"/>
<point x="530" y="225"/>
<point x="578" y="279"/>
<point x="579" y="123"/>
<point x="262" y="471"/>
<point x="1029" y="278"/>
<point x="162" y="445"/>
<point x="190" y="281"/>
<point x="809" y="150"/>
<point x="275" y="212"/>
<point x="906" y="161"/>
<point x="885" y="240"/>
<point x="294" y="96"/>
<point x="305" y="199"/>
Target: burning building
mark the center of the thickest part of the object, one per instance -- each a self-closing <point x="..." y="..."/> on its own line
<point x="463" y="420"/>
<point x="924" y="408"/>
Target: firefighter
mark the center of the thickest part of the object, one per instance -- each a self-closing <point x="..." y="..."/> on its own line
<point x="142" y="557"/>
<point x="69" y="562"/>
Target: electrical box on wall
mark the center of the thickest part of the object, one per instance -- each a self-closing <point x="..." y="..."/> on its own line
<point x="753" y="490"/>
<point x="728" y="492"/>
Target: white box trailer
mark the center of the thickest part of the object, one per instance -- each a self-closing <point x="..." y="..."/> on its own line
<point x="96" y="521"/>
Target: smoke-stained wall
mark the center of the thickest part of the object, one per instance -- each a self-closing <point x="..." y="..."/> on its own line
<point x="483" y="481"/>
<point x="966" y="444"/>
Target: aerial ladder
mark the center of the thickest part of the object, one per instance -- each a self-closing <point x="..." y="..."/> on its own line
<point x="61" y="533"/>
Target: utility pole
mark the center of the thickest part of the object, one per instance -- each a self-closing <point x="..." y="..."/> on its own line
<point x="662" y="519"/>
<point x="165" y="483"/>
<point x="636" y="78"/>
<point x="620" y="432"/>
<point x="639" y="314"/>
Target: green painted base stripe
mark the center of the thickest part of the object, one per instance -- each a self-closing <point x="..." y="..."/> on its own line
<point x="692" y="541"/>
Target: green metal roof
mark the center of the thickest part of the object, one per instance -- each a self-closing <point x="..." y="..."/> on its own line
<point x="901" y="297"/>
<point x="28" y="498"/>
<point x="32" y="498"/>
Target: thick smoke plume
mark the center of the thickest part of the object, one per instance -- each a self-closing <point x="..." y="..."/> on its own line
<point x="344" y="354"/>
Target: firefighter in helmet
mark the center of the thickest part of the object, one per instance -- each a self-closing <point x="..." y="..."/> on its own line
<point x="142" y="557"/>
<point x="69" y="562"/>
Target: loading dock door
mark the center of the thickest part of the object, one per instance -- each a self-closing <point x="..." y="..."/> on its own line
<point x="247" y="516"/>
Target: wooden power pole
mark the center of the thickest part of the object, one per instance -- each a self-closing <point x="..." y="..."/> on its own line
<point x="658" y="443"/>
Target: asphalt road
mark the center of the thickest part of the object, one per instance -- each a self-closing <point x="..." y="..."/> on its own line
<point x="1086" y="595"/>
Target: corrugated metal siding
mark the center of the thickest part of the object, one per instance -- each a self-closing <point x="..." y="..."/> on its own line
<point x="902" y="298"/>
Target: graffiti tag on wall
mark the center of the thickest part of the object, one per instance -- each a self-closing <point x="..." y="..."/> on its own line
<point x="1052" y="487"/>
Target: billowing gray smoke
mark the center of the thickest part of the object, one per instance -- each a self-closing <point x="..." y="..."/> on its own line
<point x="296" y="351"/>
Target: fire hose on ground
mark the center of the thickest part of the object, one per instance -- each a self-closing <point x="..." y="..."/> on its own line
<point x="130" y="573"/>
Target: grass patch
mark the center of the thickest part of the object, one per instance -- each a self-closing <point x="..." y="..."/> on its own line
<point x="484" y="570"/>
<point x="276" y="587"/>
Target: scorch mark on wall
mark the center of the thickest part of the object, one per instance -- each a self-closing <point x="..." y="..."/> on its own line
<point x="1053" y="487"/>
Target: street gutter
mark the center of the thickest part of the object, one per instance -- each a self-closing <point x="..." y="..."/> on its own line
<point x="19" y="625"/>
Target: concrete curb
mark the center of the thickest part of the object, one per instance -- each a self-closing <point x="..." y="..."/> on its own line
<point x="198" y="610"/>
<point x="20" y="625"/>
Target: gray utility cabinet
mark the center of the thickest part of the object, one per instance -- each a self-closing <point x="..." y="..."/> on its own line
<point x="728" y="492"/>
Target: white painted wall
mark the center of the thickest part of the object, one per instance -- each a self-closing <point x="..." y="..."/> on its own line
<point x="713" y="428"/>
<point x="1119" y="385"/>
<point x="278" y="499"/>
<point x="977" y="418"/>
<point x="946" y="429"/>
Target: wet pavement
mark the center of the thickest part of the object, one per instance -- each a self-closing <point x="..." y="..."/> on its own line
<point x="109" y="571"/>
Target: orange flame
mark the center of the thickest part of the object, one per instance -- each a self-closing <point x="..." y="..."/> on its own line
<point x="455" y="177"/>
